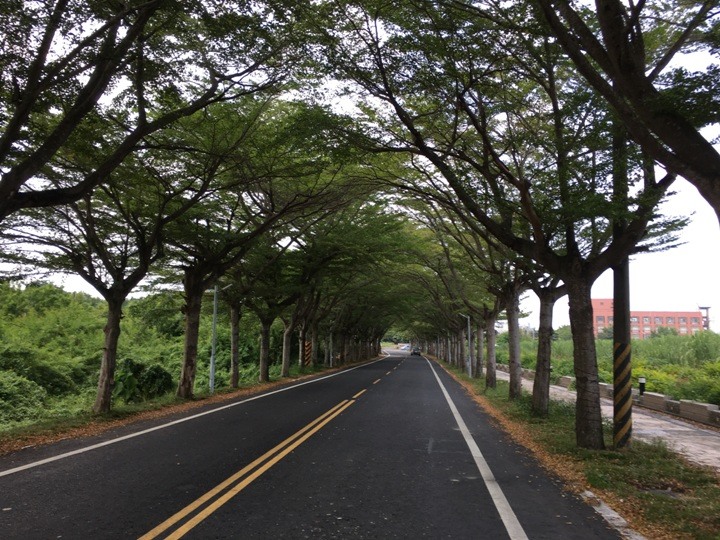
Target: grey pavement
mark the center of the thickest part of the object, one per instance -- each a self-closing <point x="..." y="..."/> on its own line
<point x="697" y="444"/>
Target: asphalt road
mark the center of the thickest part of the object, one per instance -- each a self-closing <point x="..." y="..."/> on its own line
<point x="391" y="449"/>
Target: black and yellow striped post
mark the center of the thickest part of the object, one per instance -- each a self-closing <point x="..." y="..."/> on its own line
<point x="622" y="366"/>
<point x="622" y="395"/>
<point x="307" y="353"/>
<point x="622" y="358"/>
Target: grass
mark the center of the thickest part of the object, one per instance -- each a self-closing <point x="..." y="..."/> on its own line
<point x="657" y="491"/>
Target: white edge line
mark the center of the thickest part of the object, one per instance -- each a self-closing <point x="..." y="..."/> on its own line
<point x="510" y="520"/>
<point x="174" y="422"/>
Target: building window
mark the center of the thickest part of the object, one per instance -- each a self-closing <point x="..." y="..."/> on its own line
<point x="633" y="319"/>
<point x="669" y="320"/>
<point x="695" y="320"/>
<point x="610" y="319"/>
<point x="646" y="329"/>
<point x="635" y="330"/>
<point x="646" y="320"/>
<point x="658" y="320"/>
<point x="682" y="320"/>
<point x="683" y="330"/>
<point x="600" y="319"/>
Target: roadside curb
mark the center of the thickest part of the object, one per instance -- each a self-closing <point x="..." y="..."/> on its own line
<point x="615" y="520"/>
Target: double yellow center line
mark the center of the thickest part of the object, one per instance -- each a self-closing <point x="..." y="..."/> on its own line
<point x="218" y="496"/>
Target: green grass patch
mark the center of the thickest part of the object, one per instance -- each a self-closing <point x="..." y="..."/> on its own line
<point x="654" y="483"/>
<point x="62" y="414"/>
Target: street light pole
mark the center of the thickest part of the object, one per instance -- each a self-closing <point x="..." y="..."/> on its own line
<point x="469" y="347"/>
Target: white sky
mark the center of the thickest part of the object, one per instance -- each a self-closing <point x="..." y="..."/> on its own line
<point x="677" y="280"/>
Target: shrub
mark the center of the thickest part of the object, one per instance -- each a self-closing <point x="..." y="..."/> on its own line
<point x="127" y="374"/>
<point x="20" y="398"/>
<point x="705" y="346"/>
<point x="136" y="382"/>
<point x="33" y="365"/>
<point x="155" y="381"/>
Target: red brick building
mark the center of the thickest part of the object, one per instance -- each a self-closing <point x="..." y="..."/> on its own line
<point x="644" y="323"/>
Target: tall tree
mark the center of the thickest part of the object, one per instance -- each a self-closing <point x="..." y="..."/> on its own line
<point x="114" y="73"/>
<point x="113" y="236"/>
<point x="631" y="53"/>
<point x="276" y="176"/>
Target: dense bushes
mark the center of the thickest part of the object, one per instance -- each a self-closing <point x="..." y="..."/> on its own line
<point x="20" y="398"/>
<point x="135" y="382"/>
<point x="51" y="348"/>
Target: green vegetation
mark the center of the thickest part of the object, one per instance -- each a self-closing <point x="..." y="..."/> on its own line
<point x="51" y="348"/>
<point x="664" y="492"/>
<point x="681" y="367"/>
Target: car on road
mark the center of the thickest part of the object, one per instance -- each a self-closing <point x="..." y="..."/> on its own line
<point x="415" y="352"/>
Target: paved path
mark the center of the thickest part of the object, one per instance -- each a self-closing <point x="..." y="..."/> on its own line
<point x="697" y="444"/>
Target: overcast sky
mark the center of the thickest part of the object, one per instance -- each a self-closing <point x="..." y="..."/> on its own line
<point x="680" y="279"/>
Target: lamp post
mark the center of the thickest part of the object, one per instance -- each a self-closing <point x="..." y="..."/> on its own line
<point x="469" y="347"/>
<point x="214" y="337"/>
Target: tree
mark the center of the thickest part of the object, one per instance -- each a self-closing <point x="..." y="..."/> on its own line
<point x="625" y="51"/>
<point x="111" y="74"/>
<point x="276" y="176"/>
<point x="112" y="237"/>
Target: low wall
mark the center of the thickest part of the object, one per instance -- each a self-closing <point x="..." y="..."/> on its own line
<point x="704" y="413"/>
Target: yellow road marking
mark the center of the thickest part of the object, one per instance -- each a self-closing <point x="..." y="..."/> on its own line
<point x="360" y="393"/>
<point x="310" y="429"/>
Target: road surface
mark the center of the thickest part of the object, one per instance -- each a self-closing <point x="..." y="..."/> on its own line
<point x="391" y="449"/>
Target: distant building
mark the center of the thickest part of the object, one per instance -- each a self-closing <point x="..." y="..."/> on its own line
<point x="644" y="323"/>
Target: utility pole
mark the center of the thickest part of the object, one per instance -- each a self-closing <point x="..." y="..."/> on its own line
<point x="622" y="357"/>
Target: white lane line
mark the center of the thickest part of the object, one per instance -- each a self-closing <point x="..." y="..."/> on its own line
<point x="169" y="424"/>
<point x="510" y="520"/>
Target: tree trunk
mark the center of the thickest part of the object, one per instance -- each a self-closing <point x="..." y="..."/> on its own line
<point x="480" y="352"/>
<point x="491" y="365"/>
<point x="265" y="325"/>
<point x="194" y="289"/>
<point x="541" y="383"/>
<point x="588" y="419"/>
<point x="514" y="362"/>
<point x="303" y="359"/>
<point x="289" y="328"/>
<point x="106" y="382"/>
<point x="235" y="314"/>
